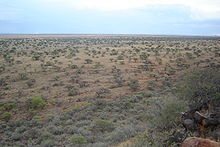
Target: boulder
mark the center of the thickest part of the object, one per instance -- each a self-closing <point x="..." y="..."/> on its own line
<point x="199" y="142"/>
<point x="189" y="124"/>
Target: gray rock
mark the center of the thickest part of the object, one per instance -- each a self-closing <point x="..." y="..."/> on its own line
<point x="189" y="124"/>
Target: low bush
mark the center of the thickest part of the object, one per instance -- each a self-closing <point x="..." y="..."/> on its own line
<point x="141" y="141"/>
<point x="48" y="143"/>
<point x="30" y="82"/>
<point x="55" y="130"/>
<point x="36" y="102"/>
<point x="78" y="140"/>
<point x="7" y="106"/>
<point x="123" y="133"/>
<point x="88" y="61"/>
<point x="22" y="76"/>
<point x="134" y="85"/>
<point x="102" y="126"/>
<point x="6" y="116"/>
<point x="2" y="68"/>
<point x="103" y="92"/>
<point x="2" y="82"/>
<point x="73" y="91"/>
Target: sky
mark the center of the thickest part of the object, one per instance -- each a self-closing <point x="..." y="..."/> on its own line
<point x="160" y="17"/>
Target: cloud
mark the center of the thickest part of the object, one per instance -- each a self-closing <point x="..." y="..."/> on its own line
<point x="200" y="9"/>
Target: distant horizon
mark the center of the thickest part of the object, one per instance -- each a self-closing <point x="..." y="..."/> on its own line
<point x="106" y="34"/>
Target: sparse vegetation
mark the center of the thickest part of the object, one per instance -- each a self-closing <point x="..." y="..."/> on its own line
<point x="106" y="91"/>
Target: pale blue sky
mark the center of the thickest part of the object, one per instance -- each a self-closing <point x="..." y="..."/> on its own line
<point x="170" y="17"/>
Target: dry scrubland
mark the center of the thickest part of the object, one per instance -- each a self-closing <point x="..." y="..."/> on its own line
<point x="90" y="90"/>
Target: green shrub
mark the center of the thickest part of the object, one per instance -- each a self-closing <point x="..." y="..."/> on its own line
<point x="141" y="141"/>
<point x="103" y="92"/>
<point x="49" y="63"/>
<point x="134" y="85"/>
<point x="50" y="118"/>
<point x="78" y="140"/>
<point x="200" y="85"/>
<point x="55" y="130"/>
<point x="73" y="66"/>
<point x="8" y="106"/>
<point x="163" y="118"/>
<point x="37" y="102"/>
<point x="123" y="133"/>
<point x="36" y="57"/>
<point x="73" y="91"/>
<point x="30" y="82"/>
<point x="2" y="68"/>
<point x="88" y="61"/>
<point x="6" y="116"/>
<point x="216" y="96"/>
<point x="2" y="94"/>
<point x="32" y="112"/>
<point x="168" y="115"/>
<point x="48" y="143"/>
<point x="102" y="126"/>
<point x="22" y="76"/>
<point x="3" y="82"/>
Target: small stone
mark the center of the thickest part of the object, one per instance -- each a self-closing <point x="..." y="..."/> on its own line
<point x="189" y="124"/>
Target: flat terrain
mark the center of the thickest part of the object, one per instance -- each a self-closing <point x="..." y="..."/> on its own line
<point x="86" y="81"/>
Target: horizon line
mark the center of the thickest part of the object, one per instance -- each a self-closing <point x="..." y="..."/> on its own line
<point x="108" y="34"/>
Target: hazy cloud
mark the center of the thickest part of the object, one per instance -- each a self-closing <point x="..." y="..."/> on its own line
<point x="111" y="16"/>
<point x="200" y="9"/>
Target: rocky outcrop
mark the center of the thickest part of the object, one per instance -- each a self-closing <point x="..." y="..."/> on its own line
<point x="199" y="142"/>
<point x="204" y="120"/>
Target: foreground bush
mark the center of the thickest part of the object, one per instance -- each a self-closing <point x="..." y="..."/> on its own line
<point x="164" y="118"/>
<point x="169" y="114"/>
<point x="201" y="89"/>
<point x="201" y="85"/>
